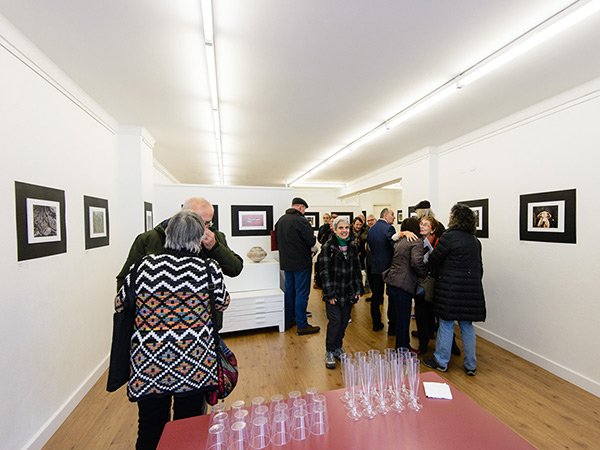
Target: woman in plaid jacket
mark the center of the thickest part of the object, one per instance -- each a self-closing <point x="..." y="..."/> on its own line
<point x="341" y="278"/>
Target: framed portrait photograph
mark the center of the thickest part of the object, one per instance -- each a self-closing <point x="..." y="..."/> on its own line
<point x="548" y="217"/>
<point x="95" y="218"/>
<point x="148" y="216"/>
<point x="41" y="223"/>
<point x="313" y="219"/>
<point x="399" y="216"/>
<point x="251" y="220"/>
<point x="480" y="209"/>
<point x="349" y="216"/>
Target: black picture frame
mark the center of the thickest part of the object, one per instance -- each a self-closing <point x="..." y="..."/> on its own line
<point x="251" y="220"/>
<point x="96" y="222"/>
<point x="558" y="224"/>
<point x="148" y="216"/>
<point x="348" y="215"/>
<point x="481" y="210"/>
<point x="41" y="221"/>
<point x="399" y="216"/>
<point x="215" y="219"/>
<point x="313" y="219"/>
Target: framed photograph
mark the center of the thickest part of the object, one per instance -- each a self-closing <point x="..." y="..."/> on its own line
<point x="349" y="216"/>
<point x="251" y="220"/>
<point x="480" y="209"/>
<point x="148" y="217"/>
<point x="399" y="216"/>
<point x="95" y="218"/>
<point x="41" y="223"/>
<point x="313" y="219"/>
<point x="548" y="217"/>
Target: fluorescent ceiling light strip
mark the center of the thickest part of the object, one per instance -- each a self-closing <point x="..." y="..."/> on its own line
<point x="531" y="40"/>
<point x="212" y="75"/>
<point x="207" y="20"/>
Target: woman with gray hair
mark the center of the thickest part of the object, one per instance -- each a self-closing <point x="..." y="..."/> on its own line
<point x="172" y="351"/>
<point x="341" y="278"/>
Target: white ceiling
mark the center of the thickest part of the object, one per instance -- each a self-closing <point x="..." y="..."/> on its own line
<point x="300" y="79"/>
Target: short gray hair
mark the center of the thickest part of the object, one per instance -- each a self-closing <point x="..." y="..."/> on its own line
<point x="185" y="231"/>
<point x="338" y="220"/>
<point x="384" y="211"/>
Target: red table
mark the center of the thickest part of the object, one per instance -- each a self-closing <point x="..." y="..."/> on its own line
<point x="458" y="423"/>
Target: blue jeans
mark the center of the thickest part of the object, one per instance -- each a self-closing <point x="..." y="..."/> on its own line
<point x="297" y="289"/>
<point x="443" y="344"/>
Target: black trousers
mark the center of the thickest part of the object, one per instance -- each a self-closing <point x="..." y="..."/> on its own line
<point x="425" y="320"/>
<point x="377" y="290"/>
<point x="338" y="317"/>
<point x="154" y="413"/>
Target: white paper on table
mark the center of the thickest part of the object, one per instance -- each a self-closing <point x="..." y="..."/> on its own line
<point x="437" y="390"/>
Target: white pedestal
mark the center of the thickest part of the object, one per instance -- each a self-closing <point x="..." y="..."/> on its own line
<point x="256" y="299"/>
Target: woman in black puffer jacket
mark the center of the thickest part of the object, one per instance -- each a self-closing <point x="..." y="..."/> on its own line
<point x="457" y="266"/>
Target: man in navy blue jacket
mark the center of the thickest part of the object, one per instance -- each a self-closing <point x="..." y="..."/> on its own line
<point x="381" y="245"/>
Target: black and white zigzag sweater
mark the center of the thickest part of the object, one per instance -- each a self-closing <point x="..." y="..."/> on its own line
<point x="172" y="347"/>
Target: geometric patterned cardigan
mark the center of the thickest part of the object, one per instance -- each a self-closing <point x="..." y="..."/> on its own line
<point x="172" y="350"/>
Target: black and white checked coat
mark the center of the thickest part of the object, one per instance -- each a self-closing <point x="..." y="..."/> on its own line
<point x="341" y="277"/>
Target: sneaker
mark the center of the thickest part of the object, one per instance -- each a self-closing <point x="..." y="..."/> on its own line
<point x="470" y="372"/>
<point x="329" y="360"/>
<point x="433" y="364"/>
<point x="308" y="329"/>
<point x="338" y="352"/>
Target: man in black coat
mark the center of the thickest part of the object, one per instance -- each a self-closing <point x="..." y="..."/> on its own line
<point x="296" y="241"/>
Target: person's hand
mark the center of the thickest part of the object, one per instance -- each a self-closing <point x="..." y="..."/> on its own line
<point x="332" y="301"/>
<point x="208" y="240"/>
<point x="357" y="298"/>
<point x="410" y="236"/>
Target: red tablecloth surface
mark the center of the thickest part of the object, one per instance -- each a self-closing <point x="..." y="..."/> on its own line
<point x="459" y="423"/>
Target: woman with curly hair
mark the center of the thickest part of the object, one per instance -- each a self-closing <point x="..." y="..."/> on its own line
<point x="457" y="266"/>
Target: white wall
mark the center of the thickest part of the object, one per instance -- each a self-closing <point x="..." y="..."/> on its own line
<point x="56" y="311"/>
<point x="542" y="298"/>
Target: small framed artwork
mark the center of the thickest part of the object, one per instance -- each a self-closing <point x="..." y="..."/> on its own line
<point x="251" y="220"/>
<point x="313" y="219"/>
<point x="412" y="212"/>
<point x="95" y="218"/>
<point x="349" y="216"/>
<point x="41" y="223"/>
<point x="480" y="209"/>
<point x="399" y="216"/>
<point x="148" y="217"/>
<point x="548" y="217"/>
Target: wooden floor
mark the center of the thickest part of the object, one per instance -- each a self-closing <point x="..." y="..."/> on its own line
<point x="544" y="409"/>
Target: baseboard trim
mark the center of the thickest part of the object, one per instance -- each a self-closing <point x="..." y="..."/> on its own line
<point x="563" y="372"/>
<point x="49" y="428"/>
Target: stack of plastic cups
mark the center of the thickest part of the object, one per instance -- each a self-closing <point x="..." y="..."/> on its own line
<point x="319" y="422"/>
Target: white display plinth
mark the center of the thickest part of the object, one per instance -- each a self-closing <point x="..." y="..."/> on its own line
<point x="256" y="299"/>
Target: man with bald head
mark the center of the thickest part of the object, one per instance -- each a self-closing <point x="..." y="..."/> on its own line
<point x="214" y="245"/>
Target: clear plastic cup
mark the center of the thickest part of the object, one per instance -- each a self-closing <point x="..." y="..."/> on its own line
<point x="217" y="438"/>
<point x="241" y="415"/>
<point x="319" y="423"/>
<point x="238" y="436"/>
<point x="260" y="435"/>
<point x="280" y="429"/>
<point x="293" y="396"/>
<point x="300" y="425"/>
<point x="223" y="419"/>
<point x="309" y="397"/>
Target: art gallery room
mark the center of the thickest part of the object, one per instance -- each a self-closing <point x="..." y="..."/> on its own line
<point x="116" y="112"/>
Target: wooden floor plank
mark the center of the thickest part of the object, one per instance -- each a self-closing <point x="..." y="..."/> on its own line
<point x="544" y="409"/>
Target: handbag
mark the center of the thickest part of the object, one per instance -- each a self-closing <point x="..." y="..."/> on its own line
<point x="227" y="371"/>
<point x="425" y="288"/>
<point x="119" y="370"/>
